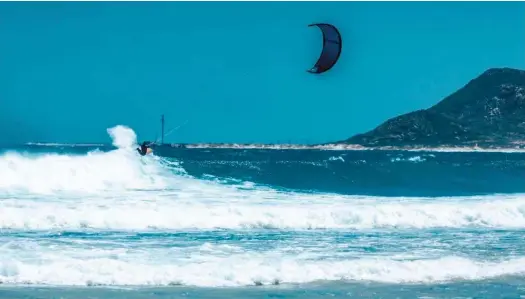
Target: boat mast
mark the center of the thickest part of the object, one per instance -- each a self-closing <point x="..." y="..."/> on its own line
<point x="162" y="124"/>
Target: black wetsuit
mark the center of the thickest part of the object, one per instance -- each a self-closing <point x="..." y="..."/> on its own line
<point x="143" y="149"/>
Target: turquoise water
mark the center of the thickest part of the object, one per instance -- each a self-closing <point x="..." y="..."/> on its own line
<point x="102" y="222"/>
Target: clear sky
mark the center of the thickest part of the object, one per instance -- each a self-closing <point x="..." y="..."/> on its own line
<point x="237" y="70"/>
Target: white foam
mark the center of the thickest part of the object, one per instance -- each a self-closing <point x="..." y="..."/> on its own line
<point x="206" y="209"/>
<point x="415" y="159"/>
<point x="120" y="267"/>
<point x="340" y="158"/>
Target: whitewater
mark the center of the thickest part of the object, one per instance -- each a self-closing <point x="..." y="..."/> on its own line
<point x="103" y="222"/>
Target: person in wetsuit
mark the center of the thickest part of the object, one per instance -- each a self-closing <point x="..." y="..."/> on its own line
<point x="143" y="149"/>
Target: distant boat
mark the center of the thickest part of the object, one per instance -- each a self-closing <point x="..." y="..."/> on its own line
<point x="161" y="145"/>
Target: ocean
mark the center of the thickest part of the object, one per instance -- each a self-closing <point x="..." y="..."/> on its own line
<point x="100" y="221"/>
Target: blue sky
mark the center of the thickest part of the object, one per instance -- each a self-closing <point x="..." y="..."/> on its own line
<point x="237" y="70"/>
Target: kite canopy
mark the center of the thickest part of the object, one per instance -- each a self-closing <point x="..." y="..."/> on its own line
<point x="332" y="45"/>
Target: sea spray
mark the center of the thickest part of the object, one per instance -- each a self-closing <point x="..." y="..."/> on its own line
<point x="123" y="137"/>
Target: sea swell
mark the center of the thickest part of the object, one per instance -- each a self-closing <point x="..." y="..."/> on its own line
<point x="108" y="217"/>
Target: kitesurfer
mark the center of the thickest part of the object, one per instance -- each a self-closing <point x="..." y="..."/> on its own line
<point x="144" y="148"/>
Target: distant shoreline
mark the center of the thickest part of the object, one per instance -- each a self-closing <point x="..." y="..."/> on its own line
<point x="334" y="147"/>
